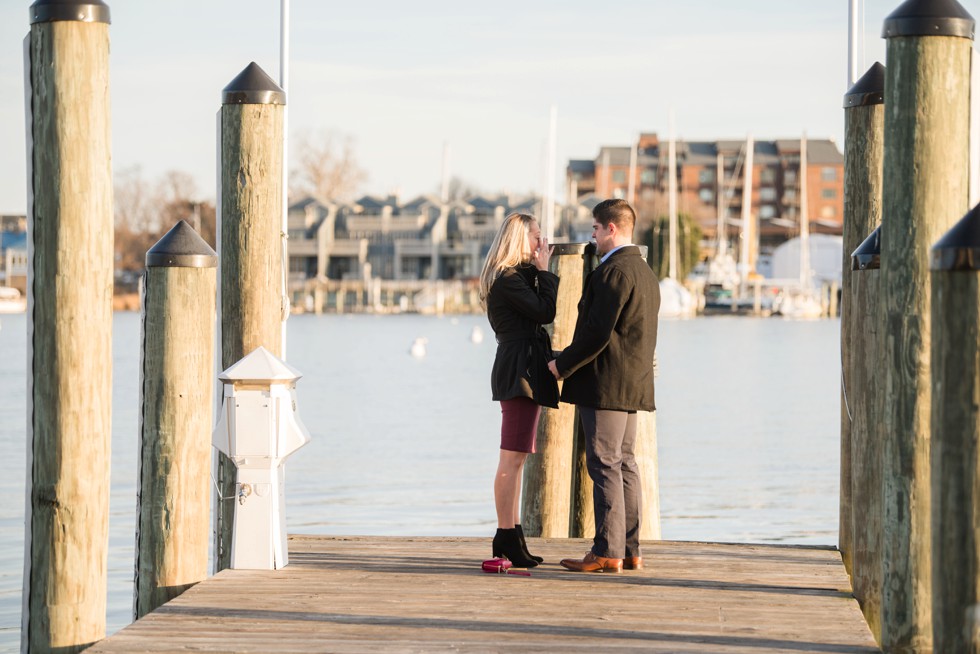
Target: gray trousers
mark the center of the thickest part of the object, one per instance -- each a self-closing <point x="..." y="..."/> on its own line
<point x="610" y="437"/>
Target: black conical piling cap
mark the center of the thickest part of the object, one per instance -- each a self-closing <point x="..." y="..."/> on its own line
<point x="959" y="248"/>
<point x="929" y="18"/>
<point x="253" y="86"/>
<point x="868" y="90"/>
<point x="867" y="256"/>
<point x="85" y="11"/>
<point x="181" y="247"/>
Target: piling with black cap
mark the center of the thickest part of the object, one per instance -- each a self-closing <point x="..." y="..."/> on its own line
<point x="955" y="436"/>
<point x="863" y="390"/>
<point x="176" y="389"/>
<point x="249" y="241"/>
<point x="69" y="325"/>
<point x="582" y="510"/>
<point x="547" y="497"/>
<point x="860" y="465"/>
<point x="927" y="100"/>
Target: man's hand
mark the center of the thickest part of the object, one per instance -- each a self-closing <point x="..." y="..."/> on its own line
<point x="553" y="367"/>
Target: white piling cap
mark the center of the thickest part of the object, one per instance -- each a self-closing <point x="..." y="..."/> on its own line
<point x="260" y="365"/>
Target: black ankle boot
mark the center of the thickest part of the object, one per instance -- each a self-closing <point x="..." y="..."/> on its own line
<point x="520" y="535"/>
<point x="507" y="544"/>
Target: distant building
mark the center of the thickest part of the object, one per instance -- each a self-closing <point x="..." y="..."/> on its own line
<point x="423" y="239"/>
<point x="13" y="251"/>
<point x="709" y="171"/>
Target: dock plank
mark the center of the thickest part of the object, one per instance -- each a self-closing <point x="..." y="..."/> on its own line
<point x="367" y="594"/>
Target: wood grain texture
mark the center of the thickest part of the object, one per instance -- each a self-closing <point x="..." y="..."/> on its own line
<point x="860" y="494"/>
<point x="251" y="258"/>
<point x="546" y="501"/>
<point x="359" y="594"/>
<point x="71" y="324"/>
<point x="175" y="433"/>
<point x="927" y="84"/>
<point x="955" y="460"/>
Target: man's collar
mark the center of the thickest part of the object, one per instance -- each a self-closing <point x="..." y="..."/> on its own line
<point x="613" y="251"/>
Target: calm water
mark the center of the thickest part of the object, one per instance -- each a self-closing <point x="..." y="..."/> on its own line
<point x="748" y="426"/>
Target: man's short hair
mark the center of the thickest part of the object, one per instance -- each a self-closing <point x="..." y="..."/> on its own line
<point x="615" y="211"/>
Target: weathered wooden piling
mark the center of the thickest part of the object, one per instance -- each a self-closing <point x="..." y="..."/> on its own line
<point x="955" y="436"/>
<point x="927" y="94"/>
<point x="248" y="242"/>
<point x="582" y="511"/>
<point x="860" y="486"/>
<point x="177" y="373"/>
<point x="70" y="227"/>
<point x="864" y="388"/>
<point x="546" y="501"/>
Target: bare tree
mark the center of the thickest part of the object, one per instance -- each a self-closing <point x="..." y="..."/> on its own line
<point x="144" y="212"/>
<point x="461" y="189"/>
<point x="325" y="166"/>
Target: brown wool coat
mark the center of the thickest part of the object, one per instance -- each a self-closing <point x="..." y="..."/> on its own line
<point x="609" y="363"/>
<point x="520" y="302"/>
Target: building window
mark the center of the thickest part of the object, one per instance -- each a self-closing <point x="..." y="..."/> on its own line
<point x="618" y="176"/>
<point x="648" y="177"/>
<point x="789" y="195"/>
<point x="829" y="194"/>
<point x="790" y="176"/>
<point x="767" y="211"/>
<point x="707" y="195"/>
<point x="767" y="176"/>
<point x="706" y="176"/>
<point x="828" y="174"/>
<point x="767" y="194"/>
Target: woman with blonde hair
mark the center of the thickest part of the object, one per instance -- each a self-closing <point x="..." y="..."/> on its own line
<point x="519" y="295"/>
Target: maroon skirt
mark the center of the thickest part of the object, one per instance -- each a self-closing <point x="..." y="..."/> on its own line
<point x="519" y="424"/>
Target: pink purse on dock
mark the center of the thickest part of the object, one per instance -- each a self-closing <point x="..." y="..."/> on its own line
<point x="502" y="566"/>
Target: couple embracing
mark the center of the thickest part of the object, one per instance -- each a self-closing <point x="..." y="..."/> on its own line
<point x="607" y="371"/>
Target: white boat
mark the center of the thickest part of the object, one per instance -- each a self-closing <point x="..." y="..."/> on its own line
<point x="675" y="300"/>
<point x="11" y="301"/>
<point x="804" y="302"/>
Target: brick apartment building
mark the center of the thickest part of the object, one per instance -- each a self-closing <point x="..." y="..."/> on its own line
<point x="711" y="170"/>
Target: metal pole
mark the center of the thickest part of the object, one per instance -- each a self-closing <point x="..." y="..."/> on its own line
<point x="284" y="84"/>
<point x="852" y="41"/>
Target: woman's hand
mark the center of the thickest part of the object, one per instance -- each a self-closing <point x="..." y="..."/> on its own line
<point x="543" y="254"/>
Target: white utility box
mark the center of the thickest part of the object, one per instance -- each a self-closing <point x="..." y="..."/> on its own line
<point x="258" y="428"/>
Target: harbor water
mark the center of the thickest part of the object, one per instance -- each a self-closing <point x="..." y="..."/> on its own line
<point x="748" y="423"/>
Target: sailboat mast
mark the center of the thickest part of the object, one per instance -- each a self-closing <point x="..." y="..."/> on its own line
<point x="549" y="195"/>
<point x="720" y="197"/>
<point x="747" y="232"/>
<point x="804" y="219"/>
<point x="631" y="185"/>
<point x="672" y="201"/>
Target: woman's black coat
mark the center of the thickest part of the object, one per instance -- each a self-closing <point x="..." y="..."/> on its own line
<point x="521" y="300"/>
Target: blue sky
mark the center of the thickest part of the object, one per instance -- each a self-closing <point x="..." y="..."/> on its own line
<point x="402" y="78"/>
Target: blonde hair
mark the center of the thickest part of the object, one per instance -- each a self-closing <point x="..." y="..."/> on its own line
<point x="510" y="248"/>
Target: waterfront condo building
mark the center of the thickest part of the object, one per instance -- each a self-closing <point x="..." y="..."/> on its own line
<point x="711" y="181"/>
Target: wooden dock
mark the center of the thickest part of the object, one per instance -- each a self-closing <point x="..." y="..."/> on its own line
<point x="385" y="594"/>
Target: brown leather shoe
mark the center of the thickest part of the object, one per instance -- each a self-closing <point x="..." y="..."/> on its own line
<point x="593" y="563"/>
<point x="633" y="563"/>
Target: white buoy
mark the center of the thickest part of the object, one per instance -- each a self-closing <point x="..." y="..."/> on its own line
<point x="418" y="347"/>
<point x="476" y="335"/>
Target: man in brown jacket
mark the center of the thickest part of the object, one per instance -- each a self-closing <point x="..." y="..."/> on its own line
<point x="608" y="373"/>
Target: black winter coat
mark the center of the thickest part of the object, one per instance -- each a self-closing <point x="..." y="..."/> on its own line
<point x="520" y="302"/>
<point x="609" y="363"/>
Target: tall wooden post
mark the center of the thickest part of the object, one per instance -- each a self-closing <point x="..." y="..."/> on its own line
<point x="249" y="242"/>
<point x="860" y="475"/>
<point x="927" y="100"/>
<point x="864" y="389"/>
<point x="177" y="375"/>
<point x="546" y="501"/>
<point x="582" y="514"/>
<point x="956" y="437"/>
<point x="69" y="326"/>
